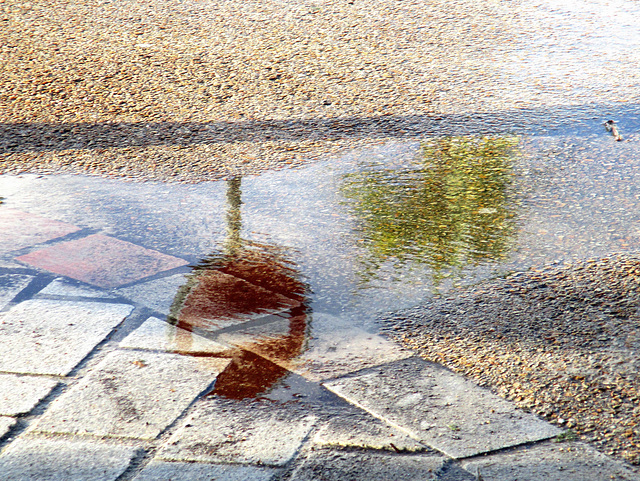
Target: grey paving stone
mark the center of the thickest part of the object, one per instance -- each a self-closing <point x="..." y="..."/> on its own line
<point x="157" y="294"/>
<point x="20" y="394"/>
<point x="258" y="432"/>
<point x="6" y="423"/>
<point x="364" y="431"/>
<point x="441" y="409"/>
<point x="326" y="465"/>
<point x="551" y="462"/>
<point x="334" y="349"/>
<point x="131" y="394"/>
<point x="11" y="285"/>
<point x="52" y="337"/>
<point x="33" y="459"/>
<point x="62" y="287"/>
<point x="165" y="471"/>
<point x="9" y="264"/>
<point x="155" y="334"/>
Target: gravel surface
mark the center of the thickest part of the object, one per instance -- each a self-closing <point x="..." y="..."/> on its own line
<point x="560" y="341"/>
<point x="204" y="89"/>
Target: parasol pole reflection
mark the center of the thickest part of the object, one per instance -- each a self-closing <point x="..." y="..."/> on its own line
<point x="231" y="292"/>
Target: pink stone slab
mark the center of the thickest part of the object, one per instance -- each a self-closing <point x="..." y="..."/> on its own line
<point x="102" y="261"/>
<point x="20" y="229"/>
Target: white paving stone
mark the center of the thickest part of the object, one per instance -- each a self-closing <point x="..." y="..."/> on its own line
<point x="62" y="287"/>
<point x="325" y="465"/>
<point x="258" y="432"/>
<point x="11" y="285"/>
<point x="157" y="294"/>
<point x="551" y="462"/>
<point x="33" y="459"/>
<point x="364" y="431"/>
<point x="441" y="409"/>
<point x="165" y="471"/>
<point x="333" y="349"/>
<point x="6" y="423"/>
<point x="52" y="337"/>
<point x="155" y="334"/>
<point x="131" y="394"/>
<point x="20" y="394"/>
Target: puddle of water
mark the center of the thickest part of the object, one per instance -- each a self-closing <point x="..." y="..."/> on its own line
<point x="376" y="230"/>
<point x="451" y="209"/>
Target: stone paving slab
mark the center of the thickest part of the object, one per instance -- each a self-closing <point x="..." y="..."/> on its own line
<point x="52" y="337"/>
<point x="20" y="394"/>
<point x="166" y="471"/>
<point x="11" y="285"/>
<point x="36" y="459"/>
<point x="62" y="287"/>
<point x="335" y="349"/>
<point x="20" y="229"/>
<point x="158" y="335"/>
<point x="157" y="294"/>
<point x="362" y="430"/>
<point x="550" y="462"/>
<point x="326" y="465"/>
<point x="441" y="409"/>
<point x="226" y="431"/>
<point x="102" y="261"/>
<point x="131" y="394"/>
<point x="215" y="300"/>
<point x="6" y="423"/>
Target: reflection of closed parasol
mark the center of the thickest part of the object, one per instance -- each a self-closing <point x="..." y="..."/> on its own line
<point x="237" y="289"/>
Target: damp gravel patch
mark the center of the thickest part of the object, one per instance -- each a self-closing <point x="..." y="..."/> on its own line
<point x="193" y="91"/>
<point x="560" y="341"/>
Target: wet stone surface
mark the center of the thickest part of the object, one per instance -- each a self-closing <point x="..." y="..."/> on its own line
<point x="335" y="349"/>
<point x="158" y="335"/>
<point x="22" y="229"/>
<point x="101" y="260"/>
<point x="441" y="409"/>
<point x="157" y="294"/>
<point x="66" y="288"/>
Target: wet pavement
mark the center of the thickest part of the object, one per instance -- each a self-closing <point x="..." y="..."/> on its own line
<point x="233" y="324"/>
<point x="229" y="330"/>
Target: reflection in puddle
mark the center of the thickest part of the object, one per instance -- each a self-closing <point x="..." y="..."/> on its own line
<point x="452" y="208"/>
<point x="245" y="282"/>
<point x="343" y="241"/>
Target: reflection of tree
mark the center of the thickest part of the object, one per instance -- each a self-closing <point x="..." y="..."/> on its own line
<point x="244" y="281"/>
<point x="451" y="209"/>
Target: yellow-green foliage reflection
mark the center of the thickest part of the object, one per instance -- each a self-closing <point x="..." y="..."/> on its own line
<point x="451" y="209"/>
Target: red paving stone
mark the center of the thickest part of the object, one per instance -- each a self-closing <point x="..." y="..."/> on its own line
<point x="102" y="261"/>
<point x="20" y="229"/>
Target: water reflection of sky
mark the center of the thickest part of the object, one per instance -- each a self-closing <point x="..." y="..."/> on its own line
<point x="579" y="198"/>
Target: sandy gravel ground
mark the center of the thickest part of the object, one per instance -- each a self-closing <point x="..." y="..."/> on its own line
<point x="203" y="89"/>
<point x="561" y="341"/>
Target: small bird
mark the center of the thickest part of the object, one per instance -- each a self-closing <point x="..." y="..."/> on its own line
<point x="610" y="125"/>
